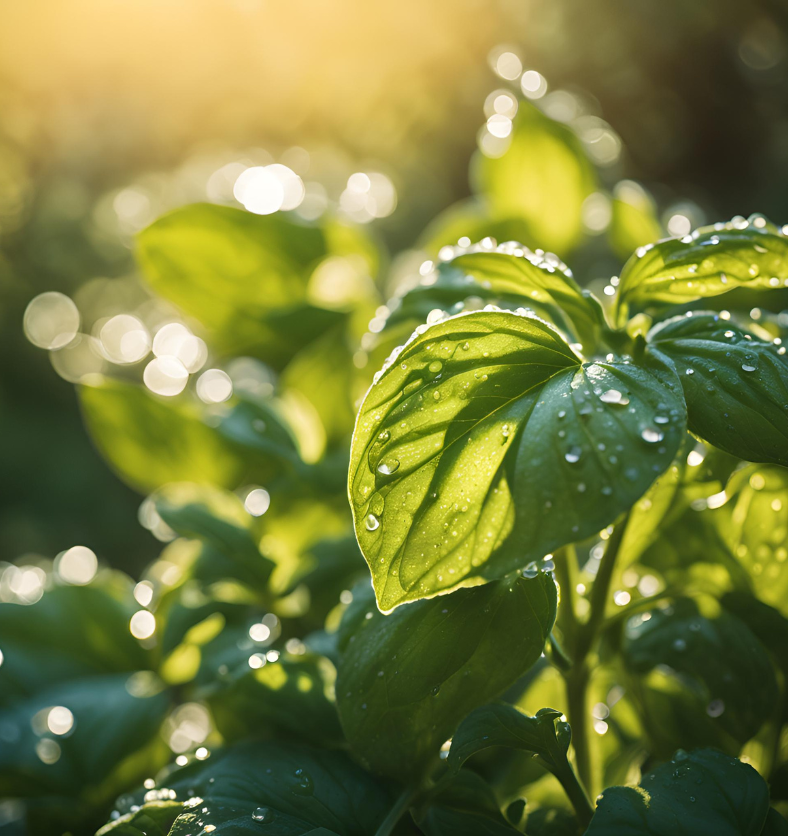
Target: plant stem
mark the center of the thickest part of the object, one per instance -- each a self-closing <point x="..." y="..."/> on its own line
<point x="566" y="574"/>
<point x="577" y="795"/>
<point x="401" y="806"/>
<point x="577" y="679"/>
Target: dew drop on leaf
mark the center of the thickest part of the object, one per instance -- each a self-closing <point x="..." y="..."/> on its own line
<point x="389" y="467"/>
<point x="263" y="815"/>
<point x="371" y="522"/>
<point x="573" y="454"/>
<point x="651" y="436"/>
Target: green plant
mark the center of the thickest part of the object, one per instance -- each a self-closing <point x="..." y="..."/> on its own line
<point x="574" y="519"/>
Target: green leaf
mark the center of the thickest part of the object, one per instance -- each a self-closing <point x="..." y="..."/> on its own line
<point x="154" y="819"/>
<point x="102" y="720"/>
<point x="544" y="177"/>
<point x="547" y="821"/>
<point x="715" y="660"/>
<point x="284" y="790"/>
<point x="406" y="680"/>
<point x="736" y="386"/>
<point x="486" y="443"/>
<point x="245" y="277"/>
<point x="466" y="807"/>
<point x="149" y="441"/>
<point x="704" y="793"/>
<point x="710" y="261"/>
<point x="634" y="220"/>
<point x="775" y="824"/>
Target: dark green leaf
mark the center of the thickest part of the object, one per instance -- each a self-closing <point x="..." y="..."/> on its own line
<point x="548" y="821"/>
<point x="486" y="443"/>
<point x="149" y="441"/>
<point x="736" y="386"/>
<point x="154" y="819"/>
<point x="407" y="679"/>
<point x="713" y="260"/>
<point x="466" y="807"/>
<point x="704" y="793"/>
<point x="544" y="177"/>
<point x="287" y="790"/>
<point x="715" y="660"/>
<point x="775" y="824"/>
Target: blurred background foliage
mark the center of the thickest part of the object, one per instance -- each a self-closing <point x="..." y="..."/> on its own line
<point x="113" y="112"/>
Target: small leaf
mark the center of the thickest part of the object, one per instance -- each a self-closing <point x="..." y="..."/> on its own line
<point x="406" y="680"/>
<point x="466" y="807"/>
<point x="486" y="444"/>
<point x="736" y="386"/>
<point x="704" y="793"/>
<point x="543" y="177"/>
<point x="257" y="787"/>
<point x="150" y="442"/>
<point x="713" y="260"/>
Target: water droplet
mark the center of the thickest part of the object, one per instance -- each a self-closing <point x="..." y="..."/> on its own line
<point x="690" y="371"/>
<point x="651" y="436"/>
<point x="573" y="454"/>
<point x="531" y="570"/>
<point x="436" y="395"/>
<point x="389" y="467"/>
<point x="661" y="419"/>
<point x="263" y="815"/>
<point x="679" y="645"/>
<point x="304" y="785"/>
<point x="435" y="366"/>
<point x="505" y="430"/>
<point x="371" y="522"/>
<point x="436" y="690"/>
<point x="611" y="396"/>
<point x="715" y="708"/>
<point x="746" y="367"/>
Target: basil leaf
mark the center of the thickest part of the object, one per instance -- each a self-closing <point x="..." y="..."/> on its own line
<point x="287" y="790"/>
<point x="149" y="442"/>
<point x="406" y="680"/>
<point x="736" y="386"/>
<point x="704" y="793"/>
<point x="548" y="821"/>
<point x="710" y="261"/>
<point x="486" y="443"/>
<point x="543" y="177"/>
<point x="715" y="660"/>
<point x="775" y="824"/>
<point x="154" y="819"/>
<point x="245" y="277"/>
<point x="466" y="807"/>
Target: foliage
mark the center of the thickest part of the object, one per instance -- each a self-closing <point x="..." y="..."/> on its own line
<point x="572" y="515"/>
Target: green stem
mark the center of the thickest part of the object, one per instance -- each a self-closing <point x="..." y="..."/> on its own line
<point x="577" y="795"/>
<point x="401" y="806"/>
<point x="576" y="682"/>
<point x="566" y="573"/>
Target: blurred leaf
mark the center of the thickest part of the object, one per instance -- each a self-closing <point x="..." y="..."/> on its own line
<point x="775" y="824"/>
<point x="243" y="276"/>
<point x="466" y="807"/>
<point x="154" y="819"/>
<point x="543" y="178"/>
<point x="285" y="790"/>
<point x="716" y="660"/>
<point x="634" y="220"/>
<point x="548" y="821"/>
<point x="504" y="398"/>
<point x="150" y="442"/>
<point x="704" y="793"/>
<point x="713" y="260"/>
<point x="736" y="387"/>
<point x="406" y="680"/>
<point x="290" y="695"/>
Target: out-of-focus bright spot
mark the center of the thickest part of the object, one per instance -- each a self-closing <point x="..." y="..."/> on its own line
<point x="187" y="726"/>
<point x="368" y="196"/>
<point x="256" y="660"/>
<point x="679" y="225"/>
<point x="1" y="657"/>
<point x="763" y="45"/>
<point x="214" y="386"/>
<point x="143" y="593"/>
<point x="251" y="376"/>
<point x="77" y="566"/>
<point x="500" y="101"/>
<point x="181" y="760"/>
<point x="82" y="357"/>
<point x="142" y="624"/>
<point x="622" y="598"/>
<point x="499" y="126"/>
<point x="257" y="502"/>
<point x="694" y="458"/>
<point x="149" y="518"/>
<point x="490" y="145"/>
<point x="60" y="720"/>
<point x="597" y="212"/>
<point x="219" y="187"/>
<point x="48" y="751"/>
<point x="175" y="340"/>
<point x="315" y="201"/>
<point x="201" y="753"/>
<point x="165" y="376"/>
<point x="600" y="726"/>
<point x="648" y="585"/>
<point x="51" y="320"/>
<point x="259" y="632"/>
<point x="269" y="188"/>
<point x="508" y="66"/>
<point x="601" y="141"/>
<point x="133" y="208"/>
<point x="562" y="106"/>
<point x="340" y="281"/>
<point x="125" y="339"/>
<point x="533" y="84"/>
<point x="22" y="584"/>
<point x="297" y="159"/>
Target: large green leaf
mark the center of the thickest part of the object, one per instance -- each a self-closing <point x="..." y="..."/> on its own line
<point x="406" y="680"/>
<point x="258" y="787"/>
<point x="704" y="793"/>
<point x="245" y="277"/>
<point x="543" y="178"/>
<point x="736" y="386"/>
<point x="715" y="660"/>
<point x="149" y="441"/>
<point x="710" y="261"/>
<point x="486" y="443"/>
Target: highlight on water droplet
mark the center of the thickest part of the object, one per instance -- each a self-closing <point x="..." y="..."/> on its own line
<point x="263" y="815"/>
<point x="573" y="454"/>
<point x="389" y="467"/>
<point x="651" y="436"/>
<point x="371" y="522"/>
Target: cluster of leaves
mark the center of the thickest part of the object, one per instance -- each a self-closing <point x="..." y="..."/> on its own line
<point x="523" y="444"/>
